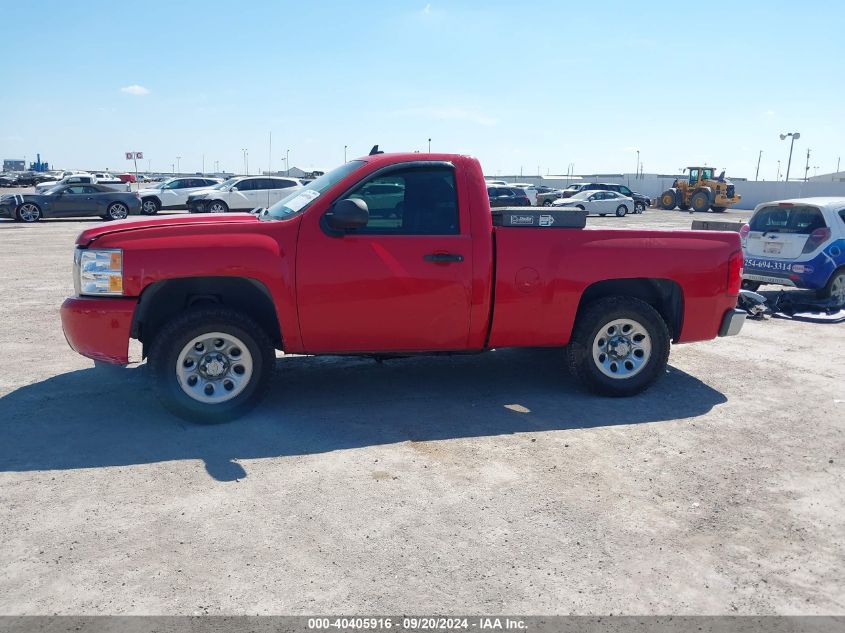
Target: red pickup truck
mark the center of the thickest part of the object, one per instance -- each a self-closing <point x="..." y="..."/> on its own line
<point x="391" y="254"/>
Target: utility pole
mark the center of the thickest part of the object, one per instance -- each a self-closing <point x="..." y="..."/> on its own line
<point x="759" y="156"/>
<point x="429" y="146"/>
<point x="837" y="166"/>
<point x="637" y="170"/>
<point x="794" y="136"/>
<point x="246" y="162"/>
<point x="807" y="166"/>
<point x="287" y="162"/>
<point x="777" y="178"/>
<point x="344" y="154"/>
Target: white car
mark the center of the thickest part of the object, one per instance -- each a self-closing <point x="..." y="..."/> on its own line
<point x="598" y="202"/>
<point x="173" y="193"/>
<point x="243" y="193"/>
<point x="798" y="243"/>
<point x="83" y="179"/>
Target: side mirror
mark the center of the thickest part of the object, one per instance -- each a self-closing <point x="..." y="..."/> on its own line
<point x="347" y="214"/>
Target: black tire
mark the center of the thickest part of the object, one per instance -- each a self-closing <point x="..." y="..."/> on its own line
<point x="753" y="286"/>
<point x="589" y="327"/>
<point x="668" y="200"/>
<point x="700" y="201"/>
<point x="621" y="211"/>
<point x="117" y="211"/>
<point x="547" y="203"/>
<point x="218" y="204"/>
<point x="176" y="335"/>
<point x="837" y="281"/>
<point x="639" y="207"/>
<point x="683" y="207"/>
<point x="719" y="209"/>
<point x="150" y="206"/>
<point x="31" y="212"/>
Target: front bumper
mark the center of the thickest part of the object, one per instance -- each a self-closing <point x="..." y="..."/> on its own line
<point x="99" y="328"/>
<point x="732" y="322"/>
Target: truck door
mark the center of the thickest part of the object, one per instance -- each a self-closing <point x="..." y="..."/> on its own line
<point x="402" y="282"/>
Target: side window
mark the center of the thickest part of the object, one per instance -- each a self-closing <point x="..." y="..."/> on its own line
<point x="625" y="191"/>
<point x="411" y="201"/>
<point x="842" y="215"/>
<point x="278" y="183"/>
<point x="245" y="185"/>
<point x="75" y="189"/>
<point x="208" y="183"/>
<point x="90" y="189"/>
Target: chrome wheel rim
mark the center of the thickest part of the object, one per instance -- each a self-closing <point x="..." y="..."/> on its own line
<point x="622" y="348"/>
<point x="149" y="207"/>
<point x="216" y="207"/>
<point x="214" y="367"/>
<point x="28" y="212"/>
<point x="837" y="288"/>
<point x="118" y="211"/>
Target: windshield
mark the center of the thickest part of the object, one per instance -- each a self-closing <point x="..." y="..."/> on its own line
<point x="301" y="198"/>
<point x="581" y="195"/>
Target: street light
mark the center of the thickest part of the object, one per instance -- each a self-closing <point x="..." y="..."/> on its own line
<point x="287" y="162"/>
<point x="429" y="146"/>
<point x="637" y="171"/>
<point x="777" y="178"/>
<point x="178" y="170"/>
<point x="759" y="156"/>
<point x="795" y="136"/>
<point x="344" y="154"/>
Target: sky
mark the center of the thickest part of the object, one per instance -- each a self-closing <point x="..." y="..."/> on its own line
<point x="527" y="87"/>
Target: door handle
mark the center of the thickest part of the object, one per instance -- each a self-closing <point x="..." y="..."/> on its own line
<point x="443" y="258"/>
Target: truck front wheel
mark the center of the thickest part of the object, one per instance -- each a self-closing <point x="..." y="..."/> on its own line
<point x="211" y="364"/>
<point x="619" y="347"/>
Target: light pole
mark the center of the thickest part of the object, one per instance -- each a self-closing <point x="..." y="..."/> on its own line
<point x="178" y="169"/>
<point x="777" y="178"/>
<point x="637" y="171"/>
<point x="217" y="167"/>
<point x="429" y="146"/>
<point x="795" y="136"/>
<point x="287" y="162"/>
<point x="807" y="166"/>
<point x="344" y="154"/>
<point x="759" y="156"/>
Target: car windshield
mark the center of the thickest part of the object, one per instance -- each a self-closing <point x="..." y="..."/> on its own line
<point x="581" y="195"/>
<point x="301" y="198"/>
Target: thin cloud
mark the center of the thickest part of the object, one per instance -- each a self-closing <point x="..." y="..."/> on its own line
<point x="427" y="9"/>
<point x="135" y="89"/>
<point x="450" y="114"/>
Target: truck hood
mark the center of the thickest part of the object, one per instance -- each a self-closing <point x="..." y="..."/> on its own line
<point x="90" y="235"/>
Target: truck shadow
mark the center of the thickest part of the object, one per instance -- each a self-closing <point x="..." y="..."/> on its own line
<point x="90" y="418"/>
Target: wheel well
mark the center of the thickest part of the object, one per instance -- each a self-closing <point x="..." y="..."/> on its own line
<point x="158" y="202"/>
<point x="664" y="295"/>
<point x="163" y="300"/>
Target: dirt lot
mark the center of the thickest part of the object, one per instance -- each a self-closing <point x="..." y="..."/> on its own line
<point x="489" y="483"/>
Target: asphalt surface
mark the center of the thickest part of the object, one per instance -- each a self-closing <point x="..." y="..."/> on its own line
<point x="475" y="484"/>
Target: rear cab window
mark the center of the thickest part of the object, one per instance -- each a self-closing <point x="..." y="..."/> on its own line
<point x="798" y="219"/>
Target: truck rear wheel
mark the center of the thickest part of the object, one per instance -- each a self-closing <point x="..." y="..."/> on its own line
<point x="211" y="364"/>
<point x="619" y="347"/>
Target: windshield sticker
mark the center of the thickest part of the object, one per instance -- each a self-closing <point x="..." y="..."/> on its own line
<point x="302" y="199"/>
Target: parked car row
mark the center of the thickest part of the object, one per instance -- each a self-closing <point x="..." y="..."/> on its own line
<point x="503" y="193"/>
<point x="70" y="200"/>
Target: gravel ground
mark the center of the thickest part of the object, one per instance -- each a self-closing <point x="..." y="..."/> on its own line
<point x="475" y="484"/>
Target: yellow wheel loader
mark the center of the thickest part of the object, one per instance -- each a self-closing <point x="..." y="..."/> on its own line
<point x="701" y="191"/>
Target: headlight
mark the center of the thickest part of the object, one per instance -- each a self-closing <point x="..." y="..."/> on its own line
<point x="98" y="271"/>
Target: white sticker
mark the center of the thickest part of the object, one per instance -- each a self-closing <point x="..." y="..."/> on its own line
<point x="302" y="199"/>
